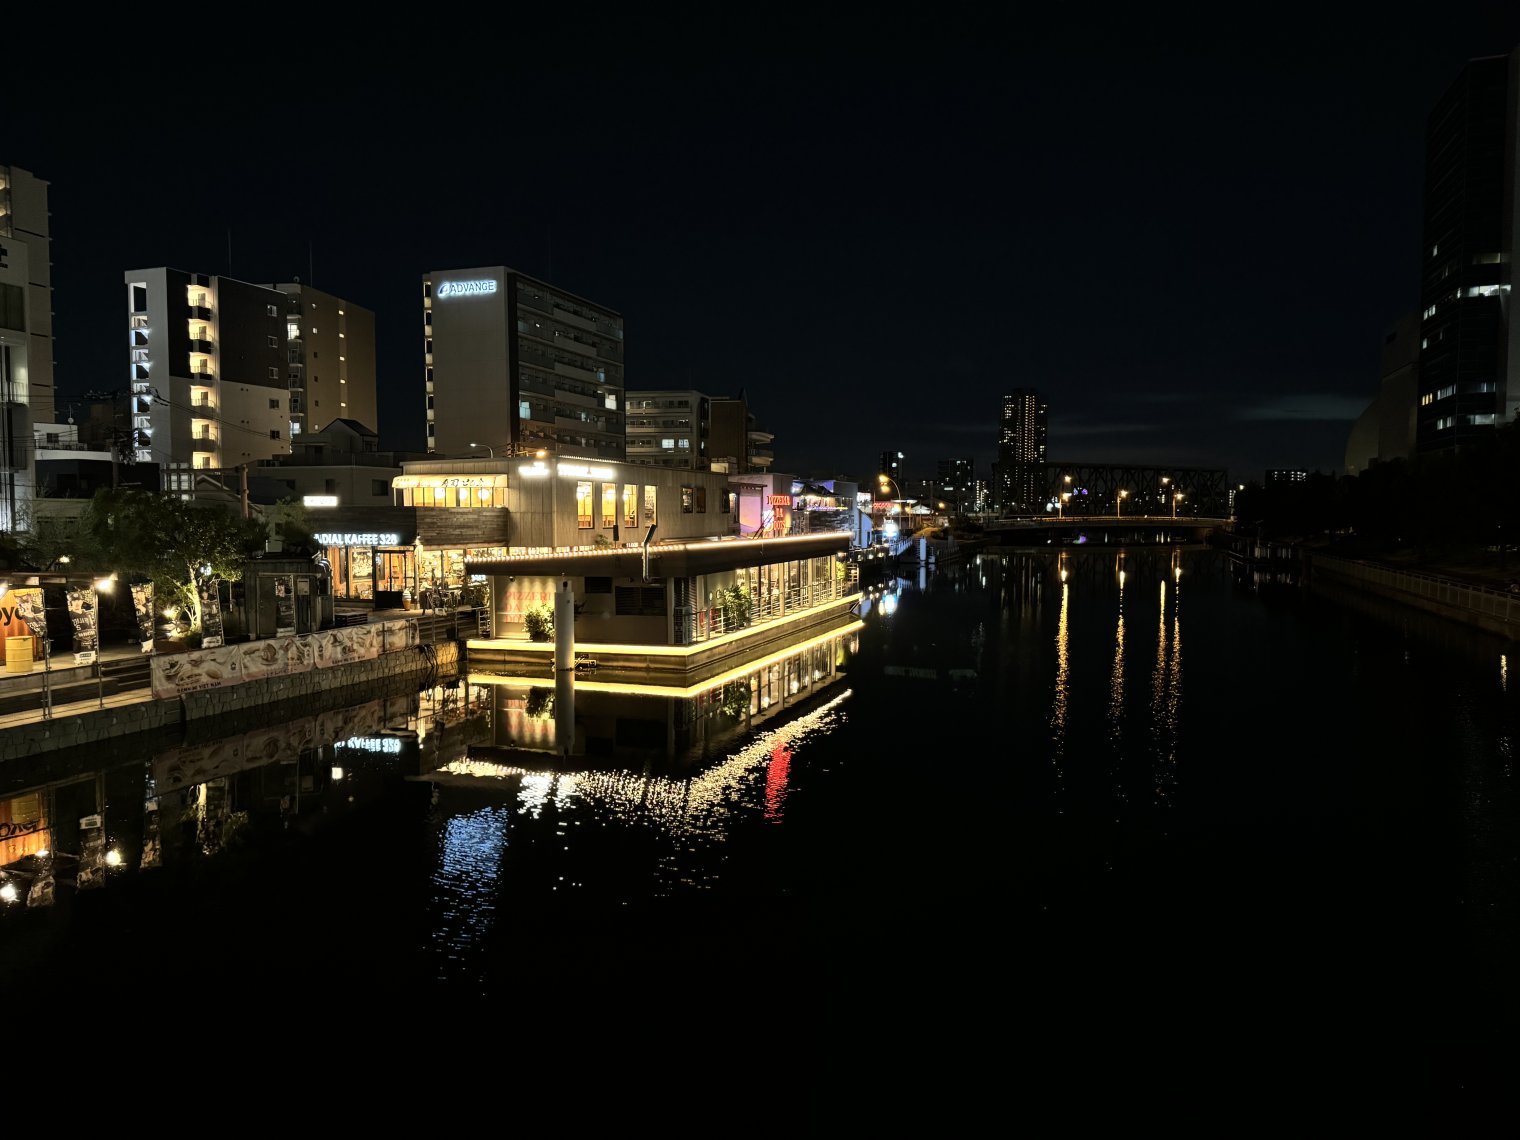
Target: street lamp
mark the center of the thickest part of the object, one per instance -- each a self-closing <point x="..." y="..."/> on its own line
<point x="488" y="448"/>
<point x="1176" y="495"/>
<point x="1061" y="504"/>
<point x="1119" y="504"/>
<point x="1165" y="479"/>
<point x="102" y="586"/>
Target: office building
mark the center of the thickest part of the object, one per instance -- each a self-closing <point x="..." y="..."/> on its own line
<point x="26" y="336"/>
<point x="1021" y="453"/>
<point x="954" y="485"/>
<point x="691" y="430"/>
<point x="1386" y="430"/>
<point x="516" y="365"/>
<point x="330" y="359"/>
<point x="1469" y="366"/>
<point x="670" y="428"/>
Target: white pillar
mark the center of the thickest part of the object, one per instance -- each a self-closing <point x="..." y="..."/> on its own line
<point x="564" y="627"/>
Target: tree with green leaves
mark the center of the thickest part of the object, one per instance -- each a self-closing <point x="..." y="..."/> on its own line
<point x="170" y="540"/>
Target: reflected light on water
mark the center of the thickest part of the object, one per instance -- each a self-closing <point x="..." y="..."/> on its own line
<point x="464" y="886"/>
<point x="1503" y="672"/>
<point x="1063" y="679"/>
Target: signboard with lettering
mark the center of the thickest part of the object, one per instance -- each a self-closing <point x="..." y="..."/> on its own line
<point x="482" y="287"/>
<point x="780" y="500"/>
<point x="357" y="538"/>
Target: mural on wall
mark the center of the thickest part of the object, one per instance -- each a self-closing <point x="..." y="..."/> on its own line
<point x="175" y="674"/>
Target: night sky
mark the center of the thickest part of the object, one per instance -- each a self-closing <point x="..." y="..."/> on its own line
<point x="1190" y="238"/>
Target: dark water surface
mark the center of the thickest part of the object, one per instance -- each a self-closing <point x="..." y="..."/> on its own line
<point x="1076" y="784"/>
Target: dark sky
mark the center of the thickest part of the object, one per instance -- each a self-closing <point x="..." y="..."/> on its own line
<point x="1190" y="237"/>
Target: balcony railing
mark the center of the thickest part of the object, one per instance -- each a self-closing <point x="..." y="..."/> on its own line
<point x="203" y="402"/>
<point x="200" y="312"/>
<point x="204" y="437"/>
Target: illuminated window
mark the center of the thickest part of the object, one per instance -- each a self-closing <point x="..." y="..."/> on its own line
<point x="688" y="499"/>
<point x="649" y="503"/>
<point x="583" y="505"/>
<point x="1483" y="418"/>
<point x="630" y="504"/>
<point x="668" y="444"/>
<point x="609" y="505"/>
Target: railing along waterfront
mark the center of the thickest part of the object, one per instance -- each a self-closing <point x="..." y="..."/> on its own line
<point x="1499" y="605"/>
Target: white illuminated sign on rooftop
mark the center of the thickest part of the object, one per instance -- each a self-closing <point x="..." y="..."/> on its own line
<point x="581" y="470"/>
<point x="320" y="500"/>
<point x="480" y="288"/>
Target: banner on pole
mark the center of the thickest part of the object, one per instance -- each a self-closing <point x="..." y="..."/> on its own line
<point x="83" y="614"/>
<point x="211" y="613"/>
<point x="142" y="603"/>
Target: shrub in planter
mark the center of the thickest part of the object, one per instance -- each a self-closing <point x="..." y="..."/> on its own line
<point x="735" y="606"/>
<point x="539" y="622"/>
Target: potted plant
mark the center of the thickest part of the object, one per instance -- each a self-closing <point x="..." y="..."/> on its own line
<point x="539" y="622"/>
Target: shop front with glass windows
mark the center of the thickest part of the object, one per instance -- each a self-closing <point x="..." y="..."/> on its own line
<point x="371" y="566"/>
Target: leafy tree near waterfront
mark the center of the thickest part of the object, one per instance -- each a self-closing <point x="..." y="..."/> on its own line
<point x="169" y="540"/>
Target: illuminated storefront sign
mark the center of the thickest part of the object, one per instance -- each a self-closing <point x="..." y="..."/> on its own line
<point x="883" y="506"/>
<point x="581" y="471"/>
<point x="480" y="288"/>
<point x="344" y="538"/>
<point x="320" y="500"/>
<point x="781" y="500"/>
<point x="386" y="744"/>
<point x="534" y="470"/>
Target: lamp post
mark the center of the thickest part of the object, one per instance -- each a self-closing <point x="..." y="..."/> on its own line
<point x="489" y="449"/>
<point x="1119" y="504"/>
<point x="1061" y="504"/>
<point x="1165" y="479"/>
<point x="1175" y="496"/>
<point x="902" y="503"/>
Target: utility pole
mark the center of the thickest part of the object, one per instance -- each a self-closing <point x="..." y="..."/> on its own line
<point x="243" y="486"/>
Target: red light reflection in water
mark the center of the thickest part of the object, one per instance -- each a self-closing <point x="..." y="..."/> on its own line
<point x="775" y="781"/>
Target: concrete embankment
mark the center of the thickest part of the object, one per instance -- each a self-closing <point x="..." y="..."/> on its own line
<point x="234" y="708"/>
<point x="1495" y="611"/>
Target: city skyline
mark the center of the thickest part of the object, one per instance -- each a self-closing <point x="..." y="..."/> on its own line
<point x="1121" y="222"/>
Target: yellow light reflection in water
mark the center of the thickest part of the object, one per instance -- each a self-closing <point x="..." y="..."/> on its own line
<point x="1503" y="672"/>
<point x="1116" y="677"/>
<point x="1063" y="680"/>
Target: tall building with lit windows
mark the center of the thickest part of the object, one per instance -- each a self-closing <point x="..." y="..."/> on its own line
<point x="208" y="360"/>
<point x="512" y="362"/>
<point x="26" y="335"/>
<point x="330" y="359"/>
<point x="1021" y="452"/>
<point x="1469" y="366"/>
<point x="224" y="372"/>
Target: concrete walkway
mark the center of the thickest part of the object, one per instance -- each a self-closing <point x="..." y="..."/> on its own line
<point x="82" y="689"/>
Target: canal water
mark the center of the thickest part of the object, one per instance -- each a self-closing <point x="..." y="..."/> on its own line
<point x="1076" y="781"/>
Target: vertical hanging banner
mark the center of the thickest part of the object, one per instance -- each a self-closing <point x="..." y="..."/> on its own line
<point x="211" y="613"/>
<point x="29" y="608"/>
<point x="86" y="630"/>
<point x="284" y="608"/>
<point x="142" y="603"/>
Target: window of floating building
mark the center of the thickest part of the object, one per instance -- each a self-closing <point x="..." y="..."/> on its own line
<point x="639" y="601"/>
<point x="583" y="505"/>
<point x="701" y="500"/>
<point x="630" y="504"/>
<point x="649" y="504"/>
<point x="688" y="498"/>
<point x="609" y="505"/>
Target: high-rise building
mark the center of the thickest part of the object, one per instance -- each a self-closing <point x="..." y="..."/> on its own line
<point x="954" y="485"/>
<point x="1469" y="367"/>
<point x="735" y="440"/>
<point x="1021" y="452"/>
<point x="516" y="363"/>
<point x="891" y="465"/>
<point x="26" y="336"/>
<point x="208" y="359"/>
<point x="329" y="360"/>
<point x="1386" y="430"/>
